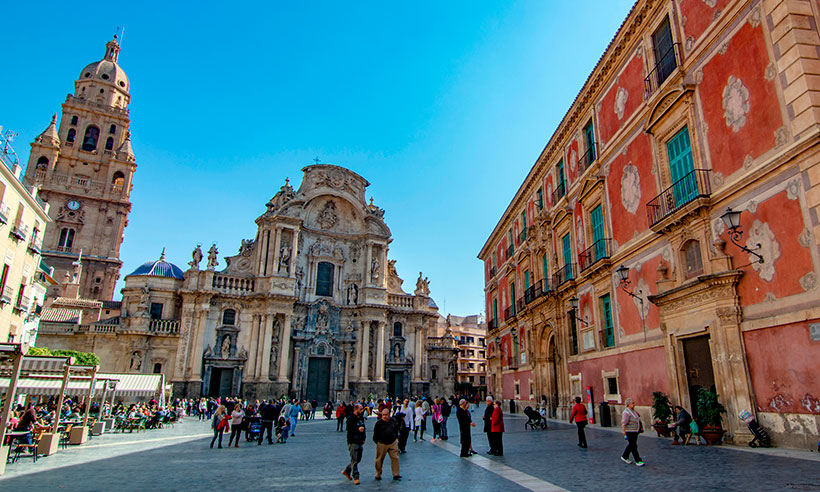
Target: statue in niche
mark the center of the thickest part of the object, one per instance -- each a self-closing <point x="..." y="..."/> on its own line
<point x="136" y="360"/>
<point x="274" y="354"/>
<point x="352" y="295"/>
<point x="315" y="248"/>
<point x="374" y="269"/>
<point x="338" y="253"/>
<point x="226" y="347"/>
<point x="397" y="351"/>
<point x="145" y="303"/>
<point x="300" y="275"/>
<point x="207" y="352"/>
<point x="284" y="259"/>
<point x="422" y="286"/>
<point x="196" y="256"/>
<point x="339" y="365"/>
<point x="212" y="261"/>
<point x="327" y="217"/>
<point x="243" y="354"/>
<point x="322" y="322"/>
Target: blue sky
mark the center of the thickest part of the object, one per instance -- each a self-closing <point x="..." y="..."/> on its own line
<point x="442" y="106"/>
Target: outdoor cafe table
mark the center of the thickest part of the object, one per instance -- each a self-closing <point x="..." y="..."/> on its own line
<point x="11" y="437"/>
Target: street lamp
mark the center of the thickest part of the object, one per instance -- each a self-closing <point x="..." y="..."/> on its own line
<point x="573" y="302"/>
<point x="514" y="334"/>
<point x="624" y="282"/>
<point x="731" y="219"/>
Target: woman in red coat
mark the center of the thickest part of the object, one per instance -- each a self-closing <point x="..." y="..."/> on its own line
<point x="579" y="417"/>
<point x="497" y="430"/>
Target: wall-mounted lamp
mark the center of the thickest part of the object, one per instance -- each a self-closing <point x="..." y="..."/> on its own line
<point x="624" y="282"/>
<point x="731" y="219"/>
<point x="573" y="302"/>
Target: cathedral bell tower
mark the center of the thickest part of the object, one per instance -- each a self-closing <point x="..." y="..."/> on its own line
<point x="84" y="171"/>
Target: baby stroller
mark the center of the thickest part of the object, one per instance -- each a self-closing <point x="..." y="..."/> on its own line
<point x="535" y="419"/>
<point x="761" y="438"/>
<point x="254" y="428"/>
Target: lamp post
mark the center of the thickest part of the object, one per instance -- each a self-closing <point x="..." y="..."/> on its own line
<point x="624" y="282"/>
<point x="573" y="302"/>
<point x="731" y="219"/>
<point x="514" y="334"/>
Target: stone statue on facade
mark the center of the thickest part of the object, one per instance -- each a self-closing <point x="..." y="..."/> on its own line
<point x="422" y="286"/>
<point x="352" y="295"/>
<point x="196" y="258"/>
<point x="284" y="259"/>
<point x="374" y="269"/>
<point x="136" y="361"/>
<point x="212" y="261"/>
<point x="145" y="303"/>
<point x="226" y="347"/>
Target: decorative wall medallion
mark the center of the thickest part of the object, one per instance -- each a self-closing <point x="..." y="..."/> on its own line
<point x="327" y="217"/>
<point x="793" y="189"/>
<point x="735" y="103"/>
<point x="754" y="17"/>
<point x="805" y="238"/>
<point x="762" y="234"/>
<point x="781" y="136"/>
<point x="698" y="75"/>
<point x="751" y="206"/>
<point x="718" y="227"/>
<point x="573" y="159"/>
<point x="579" y="234"/>
<point x="631" y="188"/>
<point x="710" y="3"/>
<point x="747" y="162"/>
<point x="620" y="102"/>
<point x="771" y="72"/>
<point x="808" y="281"/>
<point x="643" y="292"/>
<point x="717" y="180"/>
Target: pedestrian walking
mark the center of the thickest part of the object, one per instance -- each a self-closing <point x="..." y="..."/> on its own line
<point x="435" y="409"/>
<point x="579" y="417"/>
<point x="355" y="443"/>
<point x="340" y="417"/>
<point x="405" y="417"/>
<point x="293" y="414"/>
<point x="418" y="422"/>
<point x="386" y="437"/>
<point x="497" y="430"/>
<point x="465" y="421"/>
<point x="631" y="426"/>
<point x="488" y="422"/>
<point x="268" y="415"/>
<point x="203" y="409"/>
<point x="236" y="424"/>
<point x="218" y="424"/>
<point x="445" y="414"/>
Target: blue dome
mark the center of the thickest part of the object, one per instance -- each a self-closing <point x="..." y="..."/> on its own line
<point x="159" y="268"/>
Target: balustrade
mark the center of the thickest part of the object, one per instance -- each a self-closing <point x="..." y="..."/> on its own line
<point x="400" y="301"/>
<point x="164" y="326"/>
<point x="231" y="284"/>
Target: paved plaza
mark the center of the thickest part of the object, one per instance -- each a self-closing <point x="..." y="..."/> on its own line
<point x="179" y="458"/>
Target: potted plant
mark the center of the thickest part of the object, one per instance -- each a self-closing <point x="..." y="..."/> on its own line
<point x="661" y="414"/>
<point x="708" y="410"/>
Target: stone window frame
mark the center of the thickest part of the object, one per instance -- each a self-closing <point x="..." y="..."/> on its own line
<point x="517" y="388"/>
<point x="648" y="47"/>
<point x="605" y="375"/>
<point x="599" y="306"/>
<point x="576" y="381"/>
<point x="664" y="129"/>
<point x="561" y="229"/>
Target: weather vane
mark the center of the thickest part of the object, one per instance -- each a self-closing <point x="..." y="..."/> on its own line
<point x="316" y="160"/>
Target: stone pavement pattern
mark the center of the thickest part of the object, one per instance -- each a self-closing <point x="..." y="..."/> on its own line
<point x="179" y="459"/>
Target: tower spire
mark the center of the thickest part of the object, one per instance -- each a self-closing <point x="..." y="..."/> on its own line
<point x="112" y="50"/>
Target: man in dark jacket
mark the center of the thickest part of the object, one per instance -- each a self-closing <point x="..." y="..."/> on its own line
<point x="488" y="420"/>
<point x="355" y="443"/>
<point x="445" y="414"/>
<point x="268" y="413"/>
<point x="386" y="437"/>
<point x="464" y="424"/>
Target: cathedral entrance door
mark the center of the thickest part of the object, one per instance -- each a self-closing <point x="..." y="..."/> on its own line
<point x="698" y="358"/>
<point x="318" y="380"/>
<point x="395" y="386"/>
<point x="221" y="382"/>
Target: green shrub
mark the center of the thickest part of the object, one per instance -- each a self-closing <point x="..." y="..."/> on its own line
<point x="661" y="408"/>
<point x="709" y="409"/>
<point x="80" y="358"/>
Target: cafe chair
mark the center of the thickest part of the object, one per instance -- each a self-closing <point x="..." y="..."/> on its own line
<point x="32" y="448"/>
<point x="65" y="437"/>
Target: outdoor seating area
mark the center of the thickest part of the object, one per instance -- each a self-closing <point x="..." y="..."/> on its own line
<point x="49" y="404"/>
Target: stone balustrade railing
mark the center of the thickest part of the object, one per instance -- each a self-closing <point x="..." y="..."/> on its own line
<point x="103" y="328"/>
<point x="403" y="301"/>
<point x="52" y="328"/>
<point x="168" y="326"/>
<point x="232" y="285"/>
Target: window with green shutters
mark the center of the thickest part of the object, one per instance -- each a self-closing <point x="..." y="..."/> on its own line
<point x="567" y="246"/>
<point x="540" y="199"/>
<point x="599" y="246"/>
<point x="573" y="334"/>
<point x="608" y="336"/>
<point x="562" y="182"/>
<point x="495" y="313"/>
<point x="527" y="280"/>
<point x="685" y="186"/>
<point x="590" y="137"/>
<point x="546" y="274"/>
<point x="512" y="298"/>
<point x="524" y="223"/>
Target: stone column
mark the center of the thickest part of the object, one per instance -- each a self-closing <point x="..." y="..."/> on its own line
<point x="295" y="384"/>
<point x="417" y="356"/>
<point x="368" y="259"/>
<point x="380" y="353"/>
<point x="293" y="246"/>
<point x="267" y="335"/>
<point x="284" y="351"/>
<point x="347" y="369"/>
<point x="274" y="266"/>
<point x="365" y="351"/>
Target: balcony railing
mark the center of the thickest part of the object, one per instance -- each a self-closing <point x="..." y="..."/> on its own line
<point x="493" y="271"/>
<point x="168" y="326"/>
<point x="588" y="157"/>
<point x="535" y="291"/>
<point x="559" y="192"/>
<point x="4" y="213"/>
<point x="522" y="236"/>
<point x="520" y="304"/>
<point x="599" y="250"/>
<point x="510" y="251"/>
<point x="694" y="185"/>
<point x="18" y="231"/>
<point x="64" y="249"/>
<point x="231" y="284"/>
<point x="34" y="246"/>
<point x="565" y="274"/>
<point x="400" y="301"/>
<point x="491" y="324"/>
<point x="7" y="295"/>
<point x="607" y="338"/>
<point x="509" y="312"/>
<point x="667" y="64"/>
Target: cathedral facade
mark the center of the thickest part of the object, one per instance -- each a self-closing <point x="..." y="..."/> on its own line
<point x="311" y="306"/>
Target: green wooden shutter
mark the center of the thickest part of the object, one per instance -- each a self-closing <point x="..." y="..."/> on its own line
<point x="524" y="222"/>
<point x="512" y="297"/>
<point x="495" y="313"/>
<point x="609" y="332"/>
<point x="561" y="181"/>
<point x="546" y="275"/>
<point x="590" y="144"/>
<point x="685" y="187"/>
<point x="567" y="255"/>
<point x="597" y="219"/>
<point x="527" y="280"/>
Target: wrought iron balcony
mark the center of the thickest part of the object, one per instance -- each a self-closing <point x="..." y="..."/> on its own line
<point x="559" y="192"/>
<point x="493" y="271"/>
<point x="4" y="213"/>
<point x="535" y="291"/>
<point x="599" y="250"/>
<point x="588" y="157"/>
<point x="694" y="185"/>
<point x="7" y="295"/>
<point x="664" y="67"/>
<point x="18" y="231"/>
<point x="522" y="237"/>
<point x="520" y="304"/>
<point x="509" y="312"/>
<point x="510" y="251"/>
<point x="64" y="249"/>
<point x="491" y="324"/>
<point x="565" y="274"/>
<point x="34" y="246"/>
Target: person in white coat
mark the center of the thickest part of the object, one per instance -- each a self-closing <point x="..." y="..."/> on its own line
<point x="418" y="421"/>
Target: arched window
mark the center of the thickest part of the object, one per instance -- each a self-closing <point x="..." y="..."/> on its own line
<point x="324" y="279"/>
<point x="74" y="120"/>
<point x="118" y="179"/>
<point x="113" y="129"/>
<point x="42" y="163"/>
<point x="72" y="134"/>
<point x="92" y="134"/>
<point x="396" y="329"/>
<point x="66" y="238"/>
<point x="158" y="368"/>
<point x="692" y="259"/>
<point x="109" y="144"/>
<point x="229" y="317"/>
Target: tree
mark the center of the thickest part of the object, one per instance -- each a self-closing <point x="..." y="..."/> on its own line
<point x="80" y="358"/>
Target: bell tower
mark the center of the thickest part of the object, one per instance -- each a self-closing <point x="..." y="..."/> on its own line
<point x="84" y="170"/>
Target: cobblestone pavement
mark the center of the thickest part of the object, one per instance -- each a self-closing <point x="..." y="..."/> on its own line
<point x="179" y="459"/>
